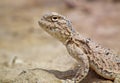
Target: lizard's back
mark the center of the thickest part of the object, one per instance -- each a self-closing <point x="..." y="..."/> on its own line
<point x="102" y="60"/>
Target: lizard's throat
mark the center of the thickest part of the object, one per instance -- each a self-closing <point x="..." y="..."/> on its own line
<point x="64" y="37"/>
<point x="61" y="37"/>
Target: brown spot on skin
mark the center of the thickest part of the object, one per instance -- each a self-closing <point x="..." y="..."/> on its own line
<point x="97" y="46"/>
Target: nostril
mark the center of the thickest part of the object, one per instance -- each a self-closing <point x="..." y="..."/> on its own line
<point x="41" y="19"/>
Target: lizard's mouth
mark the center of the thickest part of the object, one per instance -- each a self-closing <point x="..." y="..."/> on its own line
<point x="45" y="24"/>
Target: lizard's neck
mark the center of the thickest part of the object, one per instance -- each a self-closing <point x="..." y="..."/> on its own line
<point x="70" y="38"/>
<point x="73" y="38"/>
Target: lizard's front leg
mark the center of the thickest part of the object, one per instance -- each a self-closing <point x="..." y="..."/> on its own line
<point x="78" y="54"/>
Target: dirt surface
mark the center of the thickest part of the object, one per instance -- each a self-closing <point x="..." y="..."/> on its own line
<point x="28" y="54"/>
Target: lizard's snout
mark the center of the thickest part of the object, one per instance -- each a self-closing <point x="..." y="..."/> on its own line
<point x="40" y="21"/>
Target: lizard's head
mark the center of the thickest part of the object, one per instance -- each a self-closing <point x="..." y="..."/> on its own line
<point x="56" y="25"/>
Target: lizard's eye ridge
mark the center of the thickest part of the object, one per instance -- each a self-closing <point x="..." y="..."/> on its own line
<point x="54" y="18"/>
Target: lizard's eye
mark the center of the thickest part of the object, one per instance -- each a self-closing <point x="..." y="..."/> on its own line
<point x="54" y="18"/>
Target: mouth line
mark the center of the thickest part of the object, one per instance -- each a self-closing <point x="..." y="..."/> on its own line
<point x="41" y="22"/>
<point x="44" y="24"/>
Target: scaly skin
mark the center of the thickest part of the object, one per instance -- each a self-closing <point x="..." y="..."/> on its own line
<point x="88" y="53"/>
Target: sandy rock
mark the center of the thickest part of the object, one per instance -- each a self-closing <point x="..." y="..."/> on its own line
<point x="36" y="76"/>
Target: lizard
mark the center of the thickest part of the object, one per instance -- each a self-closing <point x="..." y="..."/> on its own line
<point x="89" y="54"/>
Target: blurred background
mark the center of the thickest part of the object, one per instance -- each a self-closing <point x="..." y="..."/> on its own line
<point x="24" y="43"/>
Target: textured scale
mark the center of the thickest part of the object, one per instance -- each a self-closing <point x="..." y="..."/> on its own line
<point x="88" y="53"/>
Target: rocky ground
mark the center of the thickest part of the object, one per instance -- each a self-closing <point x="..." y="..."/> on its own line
<point x="28" y="54"/>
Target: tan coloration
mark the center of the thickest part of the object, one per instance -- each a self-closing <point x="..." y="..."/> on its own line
<point x="89" y="54"/>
